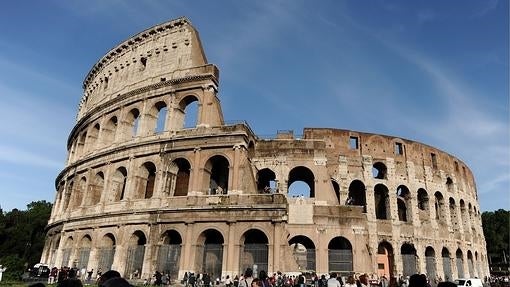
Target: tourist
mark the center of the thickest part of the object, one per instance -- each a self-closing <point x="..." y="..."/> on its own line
<point x="248" y="278"/>
<point x="332" y="281"/>
<point x="350" y="282"/>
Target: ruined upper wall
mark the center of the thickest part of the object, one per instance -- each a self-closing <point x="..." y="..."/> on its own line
<point x="164" y="52"/>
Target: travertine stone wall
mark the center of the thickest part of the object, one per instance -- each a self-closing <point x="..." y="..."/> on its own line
<point x="147" y="187"/>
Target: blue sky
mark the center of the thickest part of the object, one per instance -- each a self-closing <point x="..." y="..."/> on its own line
<point x="432" y="71"/>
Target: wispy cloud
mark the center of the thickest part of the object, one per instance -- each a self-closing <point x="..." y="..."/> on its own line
<point x="489" y="5"/>
<point x="18" y="156"/>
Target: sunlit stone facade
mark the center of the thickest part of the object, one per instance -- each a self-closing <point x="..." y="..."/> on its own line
<point x="157" y="180"/>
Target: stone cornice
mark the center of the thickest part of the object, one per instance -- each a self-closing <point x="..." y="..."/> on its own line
<point x="128" y="44"/>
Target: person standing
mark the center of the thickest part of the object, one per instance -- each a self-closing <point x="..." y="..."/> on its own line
<point x="332" y="281"/>
<point x="2" y="270"/>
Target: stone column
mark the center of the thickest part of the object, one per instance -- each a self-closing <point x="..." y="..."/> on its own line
<point x="232" y="260"/>
<point x="186" y="264"/>
<point x="196" y="172"/>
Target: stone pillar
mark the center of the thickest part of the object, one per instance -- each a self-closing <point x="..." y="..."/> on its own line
<point x="232" y="260"/>
<point x="234" y="169"/>
<point x="196" y="173"/>
<point x="187" y="262"/>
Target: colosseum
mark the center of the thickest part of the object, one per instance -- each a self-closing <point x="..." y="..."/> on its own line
<point x="156" y="179"/>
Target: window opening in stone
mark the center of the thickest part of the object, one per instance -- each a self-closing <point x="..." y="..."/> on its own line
<point x="460" y="263"/>
<point x="119" y="183"/>
<point x="357" y="195"/>
<point x="379" y="170"/>
<point x="143" y="62"/>
<point x="381" y="200"/>
<point x="109" y="131"/>
<point x="336" y="188"/>
<point x="79" y="192"/>
<point x="439" y="206"/>
<point x="430" y="262"/>
<point x="254" y="250"/>
<point x="449" y="184"/>
<point x="385" y="259"/>
<point x="183" y="175"/>
<point x="399" y="149"/>
<point x="169" y="253"/>
<point x="456" y="166"/>
<point x="434" y="160"/>
<point x="423" y="199"/>
<point x="68" y="194"/>
<point x="453" y="214"/>
<point x="97" y="188"/>
<point x="81" y="143"/>
<point x="106" y="252"/>
<point x="471" y="267"/>
<point x="84" y="253"/>
<point x="403" y="202"/>
<point x="161" y="117"/>
<point x="105" y="83"/>
<point x="353" y="142"/>
<point x="266" y="181"/>
<point x="408" y="259"/>
<point x="135" y="121"/>
<point x="135" y="253"/>
<point x="301" y="182"/>
<point x="447" y="267"/>
<point x="340" y="256"/>
<point x="66" y="251"/>
<point x="209" y="252"/>
<point x="303" y="252"/>
<point x="217" y="167"/>
<point x="93" y="136"/>
<point x="187" y="114"/>
<point x="148" y="178"/>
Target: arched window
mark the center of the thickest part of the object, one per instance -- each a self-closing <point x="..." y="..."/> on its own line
<point x="135" y="253"/>
<point x="216" y="170"/>
<point x="109" y="131"/>
<point x="66" y="251"/>
<point x="403" y="203"/>
<point x="186" y="116"/>
<point x="303" y="251"/>
<point x="336" y="188"/>
<point x="169" y="253"/>
<point x="382" y="202"/>
<point x="254" y="250"/>
<point x="408" y="253"/>
<point x="379" y="170"/>
<point x="460" y="263"/>
<point x="439" y="206"/>
<point x="453" y="214"/>
<point x="81" y="144"/>
<point x="147" y="180"/>
<point x="423" y="199"/>
<point x="210" y="252"/>
<point x="447" y="267"/>
<point x="357" y="195"/>
<point x="68" y="194"/>
<point x="133" y="119"/>
<point x="430" y="262"/>
<point x="106" y="252"/>
<point x="92" y="137"/>
<point x="449" y="184"/>
<point x="182" y="176"/>
<point x="385" y="258"/>
<point x="119" y="183"/>
<point x="161" y="116"/>
<point x="471" y="266"/>
<point x="97" y="189"/>
<point x="79" y="192"/>
<point x="84" y="252"/>
<point x="266" y="181"/>
<point x="301" y="182"/>
<point x="340" y="256"/>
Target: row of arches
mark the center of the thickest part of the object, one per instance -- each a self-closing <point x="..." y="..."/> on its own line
<point x="210" y="247"/>
<point x="134" y="121"/>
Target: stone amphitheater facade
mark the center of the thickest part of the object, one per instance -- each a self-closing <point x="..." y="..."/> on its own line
<point x="143" y="189"/>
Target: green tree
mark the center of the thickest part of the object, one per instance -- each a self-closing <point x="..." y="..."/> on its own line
<point x="496" y="228"/>
<point x="22" y="237"/>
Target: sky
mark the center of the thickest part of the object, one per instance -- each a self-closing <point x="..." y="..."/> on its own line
<point x="433" y="71"/>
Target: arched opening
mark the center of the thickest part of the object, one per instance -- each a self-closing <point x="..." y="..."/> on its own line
<point x="119" y="183"/>
<point x="404" y="203"/>
<point x="133" y="122"/>
<point x="79" y="192"/>
<point x="92" y="137"/>
<point x="68" y="194"/>
<point x="161" y="115"/>
<point x="423" y="199"/>
<point x="382" y="202"/>
<point x="182" y="177"/>
<point x="460" y="263"/>
<point x="106" y="252"/>
<point x="449" y="184"/>
<point x="135" y="254"/>
<point x="409" y="261"/>
<point x="66" y="252"/>
<point x="251" y="150"/>
<point x="81" y="144"/>
<point x="216" y="170"/>
<point x="109" y="131"/>
<point x="301" y="182"/>
<point x="340" y="256"/>
<point x="447" y="266"/>
<point x="357" y="195"/>
<point x="379" y="170"/>
<point x="146" y="180"/>
<point x="210" y="253"/>
<point x="84" y="252"/>
<point x="303" y="251"/>
<point x="453" y="214"/>
<point x="266" y="181"/>
<point x="471" y="266"/>
<point x="385" y="260"/>
<point x="169" y="253"/>
<point x="439" y="207"/>
<point x="97" y="189"/>
<point x="477" y="263"/>
<point x="430" y="262"/>
<point x="187" y="114"/>
<point x="336" y="188"/>
<point x="464" y="216"/>
<point x="254" y="251"/>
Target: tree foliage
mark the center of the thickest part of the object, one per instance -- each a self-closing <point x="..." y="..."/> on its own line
<point x="496" y="228"/>
<point x="22" y="237"/>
